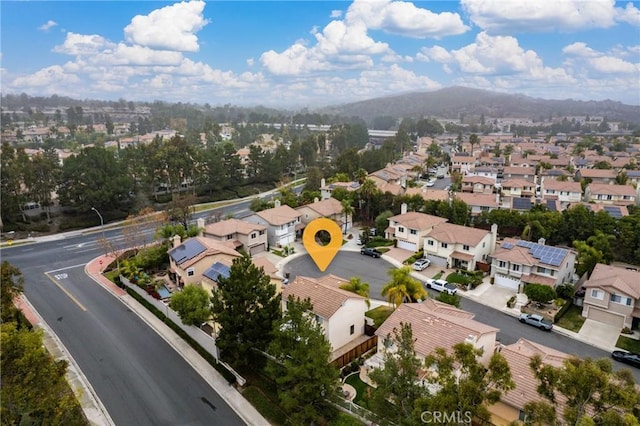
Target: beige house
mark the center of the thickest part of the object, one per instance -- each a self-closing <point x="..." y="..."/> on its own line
<point x="326" y="190"/>
<point x="434" y="325"/>
<point x="223" y="267"/>
<point x="510" y="408"/>
<point x="463" y="163"/>
<point x="339" y="312"/>
<point x="518" y="172"/>
<point x="189" y="259"/>
<point x="517" y="187"/>
<point x="249" y="237"/>
<point x="602" y="193"/>
<point x="282" y="222"/>
<point x="479" y="203"/>
<point x="456" y="246"/>
<point x="564" y="191"/>
<point x="601" y="176"/>
<point x="613" y="296"/>
<point x="329" y="208"/>
<point x="478" y="184"/>
<point x="410" y="228"/>
<point x="518" y="262"/>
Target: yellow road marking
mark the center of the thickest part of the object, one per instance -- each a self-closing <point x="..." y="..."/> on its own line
<point x="67" y="292"/>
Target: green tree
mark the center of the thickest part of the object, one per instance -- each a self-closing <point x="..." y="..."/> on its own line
<point x="192" y="305"/>
<point x="302" y="372"/>
<point x="449" y="299"/>
<point x="587" y="257"/>
<point x="34" y="389"/>
<point x="402" y="287"/>
<point x="11" y="286"/>
<point x="397" y="380"/>
<point x="347" y="211"/>
<point x="464" y="384"/>
<point x="246" y="306"/>
<point x="591" y="392"/>
<point x="367" y="192"/>
<point x="604" y="243"/>
<point x="355" y="285"/>
<point x="540" y="292"/>
<point x="382" y="222"/>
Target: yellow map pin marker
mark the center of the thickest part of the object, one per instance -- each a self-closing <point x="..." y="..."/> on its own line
<point x="322" y="255"/>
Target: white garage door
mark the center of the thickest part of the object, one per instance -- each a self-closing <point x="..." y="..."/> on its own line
<point x="406" y="245"/>
<point x="605" y="317"/>
<point x="437" y="260"/>
<point x="504" y="281"/>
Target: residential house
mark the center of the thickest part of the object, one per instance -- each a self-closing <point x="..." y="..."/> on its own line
<point x="434" y="325"/>
<point x="456" y="246"/>
<point x="189" y="260"/>
<point x="564" y="191"/>
<point x="518" y="187"/>
<point x="329" y="208"/>
<point x="613" y="211"/>
<point x="428" y="193"/>
<point x="601" y="176"/>
<point x="282" y="224"/>
<point x="490" y="172"/>
<point x="410" y="228"/>
<point x="326" y="191"/>
<point x="518" y="355"/>
<point x="602" y="193"/>
<point x="633" y="177"/>
<point x="463" y="163"/>
<point x="479" y="203"/>
<point x="520" y="172"/>
<point x="339" y="312"/>
<point x="223" y="268"/>
<point x="613" y="296"/>
<point x="478" y="184"/>
<point x="518" y="262"/>
<point x="245" y="236"/>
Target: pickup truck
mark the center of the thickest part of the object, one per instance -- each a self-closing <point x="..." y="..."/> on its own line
<point x="536" y="321"/>
<point x="370" y="252"/>
<point x="441" y="285"/>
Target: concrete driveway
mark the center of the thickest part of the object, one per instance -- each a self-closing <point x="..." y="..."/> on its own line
<point x="491" y="295"/>
<point x="598" y="334"/>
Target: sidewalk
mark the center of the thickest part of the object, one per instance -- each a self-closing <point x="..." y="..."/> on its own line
<point x="230" y="394"/>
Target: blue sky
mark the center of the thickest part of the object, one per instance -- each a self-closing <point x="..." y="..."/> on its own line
<point x="312" y="53"/>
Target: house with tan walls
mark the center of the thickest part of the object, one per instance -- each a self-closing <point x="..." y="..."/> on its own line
<point x="410" y="228"/>
<point x="329" y="208"/>
<point x="456" y="246"/>
<point x="602" y="193"/>
<point x="613" y="296"/>
<point x="244" y="236"/>
<point x="282" y="222"/>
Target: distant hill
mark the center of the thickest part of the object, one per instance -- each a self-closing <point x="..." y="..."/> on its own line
<point x="453" y="101"/>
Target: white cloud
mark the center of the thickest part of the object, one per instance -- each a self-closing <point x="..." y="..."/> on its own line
<point x="630" y="14"/>
<point x="48" y="25"/>
<point x="600" y="64"/>
<point x="335" y="14"/>
<point x="500" y="16"/>
<point x="169" y="28"/>
<point x="81" y="44"/>
<point x="47" y="80"/>
<point x="579" y="49"/>
<point x="124" y="54"/>
<point x="404" y="18"/>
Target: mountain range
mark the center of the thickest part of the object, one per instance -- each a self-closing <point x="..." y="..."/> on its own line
<point x="455" y="101"/>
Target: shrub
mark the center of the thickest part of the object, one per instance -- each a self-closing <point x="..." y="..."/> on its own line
<point x="539" y="293"/>
<point x="565" y="291"/>
<point x="511" y="302"/>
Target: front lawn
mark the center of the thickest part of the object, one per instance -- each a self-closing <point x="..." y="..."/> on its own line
<point x="379" y="314"/>
<point x="265" y="406"/>
<point x="456" y="278"/>
<point x="572" y="319"/>
<point x="628" y="344"/>
<point x="359" y="386"/>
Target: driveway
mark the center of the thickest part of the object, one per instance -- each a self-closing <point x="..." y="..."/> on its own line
<point x="598" y="334"/>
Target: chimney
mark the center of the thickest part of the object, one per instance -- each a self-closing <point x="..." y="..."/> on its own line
<point x="494" y="237"/>
<point x="176" y="240"/>
<point x="276" y="203"/>
<point x="541" y="241"/>
<point x="315" y="199"/>
<point x="403" y="208"/>
<point x="323" y="183"/>
<point x="200" y="225"/>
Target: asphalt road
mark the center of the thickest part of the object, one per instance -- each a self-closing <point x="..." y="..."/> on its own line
<point x="140" y="379"/>
<point x="349" y="264"/>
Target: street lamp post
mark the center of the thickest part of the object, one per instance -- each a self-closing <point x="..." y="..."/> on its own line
<point x="101" y="221"/>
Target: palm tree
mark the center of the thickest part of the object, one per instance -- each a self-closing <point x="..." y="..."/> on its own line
<point x="347" y="210"/>
<point x="403" y="287"/>
<point x="473" y="140"/>
<point x="367" y="191"/>
<point x="355" y="285"/>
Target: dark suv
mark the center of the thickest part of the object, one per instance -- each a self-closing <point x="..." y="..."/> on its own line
<point x="370" y="252"/>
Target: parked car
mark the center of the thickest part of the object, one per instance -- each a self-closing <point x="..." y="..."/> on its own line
<point x="536" y="321"/>
<point x="421" y="264"/>
<point x="441" y="285"/>
<point x="630" y="358"/>
<point x="370" y="252"/>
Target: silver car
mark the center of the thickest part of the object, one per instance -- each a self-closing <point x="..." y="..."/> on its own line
<point x="421" y="264"/>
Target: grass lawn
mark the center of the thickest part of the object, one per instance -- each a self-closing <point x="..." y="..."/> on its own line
<point x="629" y="344"/>
<point x="359" y="386"/>
<point x="272" y="412"/>
<point x="344" y="419"/>
<point x="437" y="276"/>
<point x="457" y="278"/>
<point x="572" y="319"/>
<point x="379" y="314"/>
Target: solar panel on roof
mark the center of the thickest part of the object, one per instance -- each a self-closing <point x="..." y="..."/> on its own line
<point x="217" y="270"/>
<point x="187" y="250"/>
<point x="521" y="203"/>
<point x="507" y="245"/>
<point x="613" y="211"/>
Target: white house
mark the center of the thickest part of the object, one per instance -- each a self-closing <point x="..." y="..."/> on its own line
<point x="456" y="246"/>
<point x="282" y="222"/>
<point x="410" y="228"/>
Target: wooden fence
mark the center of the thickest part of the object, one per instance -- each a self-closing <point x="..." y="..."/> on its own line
<point x="354" y="353"/>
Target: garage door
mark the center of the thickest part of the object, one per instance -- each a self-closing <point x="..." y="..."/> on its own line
<point x="437" y="260"/>
<point x="406" y="245"/>
<point x="256" y="249"/>
<point x="605" y="317"/>
<point x="504" y="281"/>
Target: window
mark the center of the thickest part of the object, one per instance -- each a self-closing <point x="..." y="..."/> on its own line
<point x="253" y="235"/>
<point x="261" y="232"/>
<point x="191" y="272"/>
<point x="352" y="329"/>
<point x="400" y="229"/>
<point x="502" y="264"/>
<point x="515" y="267"/>
<point x="597" y="294"/>
<point x="230" y="237"/>
<point x="430" y="242"/>
<point x="465" y="247"/>
<point x="444" y="245"/>
<point x="413" y="232"/>
<point x="622" y="300"/>
<point x="522" y="416"/>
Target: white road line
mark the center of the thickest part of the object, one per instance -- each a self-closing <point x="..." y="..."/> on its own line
<point x="68" y="267"/>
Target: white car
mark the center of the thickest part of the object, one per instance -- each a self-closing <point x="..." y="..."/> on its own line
<point x="441" y="285"/>
<point x="421" y="264"/>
